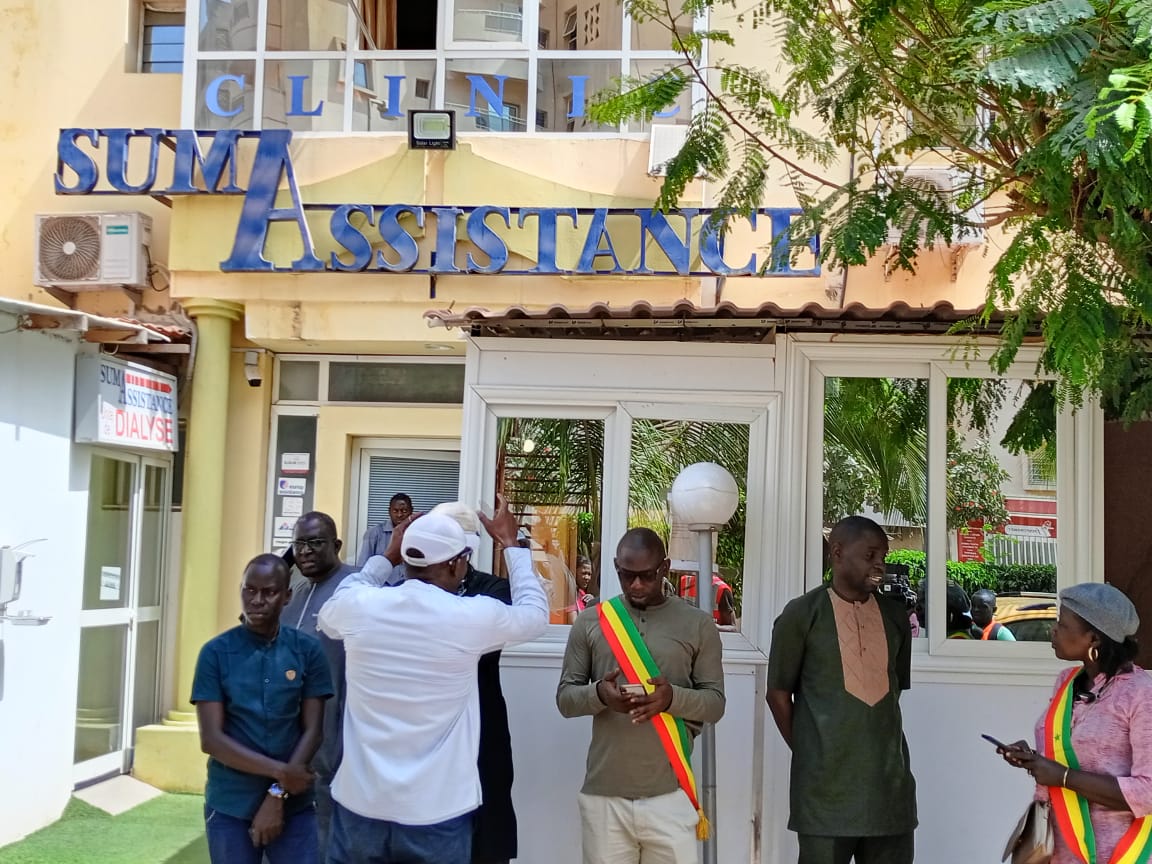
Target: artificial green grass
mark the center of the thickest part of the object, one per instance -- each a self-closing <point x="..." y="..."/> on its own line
<point x="165" y="830"/>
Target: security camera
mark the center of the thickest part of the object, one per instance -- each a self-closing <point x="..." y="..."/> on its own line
<point x="252" y="368"/>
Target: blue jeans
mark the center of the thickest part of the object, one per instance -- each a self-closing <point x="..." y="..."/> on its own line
<point x="229" y="843"/>
<point x="358" y="840"/>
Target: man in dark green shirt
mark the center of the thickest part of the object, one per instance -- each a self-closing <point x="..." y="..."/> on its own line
<point x="259" y="692"/>
<point x="840" y="657"/>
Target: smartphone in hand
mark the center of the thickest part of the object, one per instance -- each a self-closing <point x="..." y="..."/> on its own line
<point x="632" y="689"/>
<point x="1000" y="745"/>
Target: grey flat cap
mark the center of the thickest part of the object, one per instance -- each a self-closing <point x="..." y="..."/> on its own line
<point x="1104" y="607"/>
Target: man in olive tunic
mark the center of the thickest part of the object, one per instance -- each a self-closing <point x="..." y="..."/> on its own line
<point x="841" y="655"/>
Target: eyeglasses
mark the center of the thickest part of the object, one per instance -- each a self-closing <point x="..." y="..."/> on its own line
<point x="313" y="543"/>
<point x="644" y="575"/>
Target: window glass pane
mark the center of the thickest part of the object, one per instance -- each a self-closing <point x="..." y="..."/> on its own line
<point x="107" y="547"/>
<point x="228" y="25"/>
<point x="551" y="473"/>
<point x="385" y="90"/>
<point x="488" y="21"/>
<point x="100" y="691"/>
<point x="876" y="465"/>
<point x="563" y="90"/>
<point x="568" y="26"/>
<point x="299" y="380"/>
<point x="488" y="95"/>
<point x="432" y="383"/>
<point x="163" y="49"/>
<point x="224" y="94"/>
<point x="304" y="95"/>
<point x="658" y="35"/>
<point x="660" y="450"/>
<point x="679" y="113"/>
<point x="153" y="526"/>
<point x="1002" y="520"/>
<point x="147" y="684"/>
<point x="307" y="25"/>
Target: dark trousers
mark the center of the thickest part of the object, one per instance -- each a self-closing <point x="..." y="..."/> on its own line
<point x="356" y="839"/>
<point x="323" y="816"/>
<point x="229" y="842"/>
<point x="890" y="849"/>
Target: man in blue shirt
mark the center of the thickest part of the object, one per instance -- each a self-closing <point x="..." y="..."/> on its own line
<point x="259" y="692"/>
<point x="377" y="537"/>
<point x="316" y="551"/>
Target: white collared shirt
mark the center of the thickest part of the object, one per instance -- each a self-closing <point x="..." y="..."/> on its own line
<point x="412" y="717"/>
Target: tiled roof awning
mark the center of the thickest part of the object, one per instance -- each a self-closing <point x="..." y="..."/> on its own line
<point x="723" y="323"/>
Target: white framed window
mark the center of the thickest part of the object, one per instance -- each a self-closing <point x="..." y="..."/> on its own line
<point x="504" y="66"/>
<point x="162" y="38"/>
<point x="309" y="379"/>
<point x="968" y="517"/>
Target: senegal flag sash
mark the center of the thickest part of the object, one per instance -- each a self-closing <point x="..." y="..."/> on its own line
<point x="1071" y="809"/>
<point x="637" y="666"/>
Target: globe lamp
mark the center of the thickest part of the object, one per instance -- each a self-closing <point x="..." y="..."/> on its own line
<point x="704" y="495"/>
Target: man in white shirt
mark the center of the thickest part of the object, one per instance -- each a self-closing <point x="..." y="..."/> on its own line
<point x="408" y="784"/>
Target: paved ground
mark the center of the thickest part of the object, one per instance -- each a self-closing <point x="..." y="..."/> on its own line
<point x="168" y="829"/>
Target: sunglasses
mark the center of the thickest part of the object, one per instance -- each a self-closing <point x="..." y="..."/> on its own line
<point x="313" y="543"/>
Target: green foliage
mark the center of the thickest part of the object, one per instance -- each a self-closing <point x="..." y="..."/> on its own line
<point x="1042" y="107"/>
<point x="972" y="575"/>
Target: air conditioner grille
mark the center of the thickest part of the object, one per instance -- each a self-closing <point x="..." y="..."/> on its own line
<point x="70" y="248"/>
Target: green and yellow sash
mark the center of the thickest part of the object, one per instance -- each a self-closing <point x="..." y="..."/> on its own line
<point x="637" y="666"/>
<point x="1071" y="809"/>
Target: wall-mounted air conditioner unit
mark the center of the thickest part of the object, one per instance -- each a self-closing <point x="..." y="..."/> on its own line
<point x="664" y="142"/>
<point x="84" y="251"/>
<point x="945" y="184"/>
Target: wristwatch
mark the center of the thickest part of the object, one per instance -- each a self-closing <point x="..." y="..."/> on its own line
<point x="277" y="791"/>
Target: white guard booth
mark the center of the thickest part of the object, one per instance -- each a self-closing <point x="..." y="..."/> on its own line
<point x="617" y="377"/>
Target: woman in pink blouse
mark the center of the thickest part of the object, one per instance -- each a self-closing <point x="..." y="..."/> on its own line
<point x="1104" y="708"/>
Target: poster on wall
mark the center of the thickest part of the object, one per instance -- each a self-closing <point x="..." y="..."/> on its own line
<point x="124" y="404"/>
<point x="295" y="463"/>
<point x="110" y="584"/>
<point x="292" y="506"/>
<point x="291" y="486"/>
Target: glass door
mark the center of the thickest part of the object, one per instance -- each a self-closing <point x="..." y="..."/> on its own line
<point x="118" y="683"/>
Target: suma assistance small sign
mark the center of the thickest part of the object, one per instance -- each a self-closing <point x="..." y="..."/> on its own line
<point x="124" y="404"/>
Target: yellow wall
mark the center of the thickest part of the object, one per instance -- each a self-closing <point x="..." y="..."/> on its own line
<point x="63" y="65"/>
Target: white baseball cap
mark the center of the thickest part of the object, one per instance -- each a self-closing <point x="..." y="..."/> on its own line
<point x="432" y="539"/>
<point x="465" y="517"/>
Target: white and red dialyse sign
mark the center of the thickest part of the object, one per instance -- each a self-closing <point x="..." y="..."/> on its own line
<point x="124" y="404"/>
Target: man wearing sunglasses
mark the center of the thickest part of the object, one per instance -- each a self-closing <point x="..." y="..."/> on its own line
<point x="633" y="807"/>
<point x="316" y="551"/>
<point x="410" y="785"/>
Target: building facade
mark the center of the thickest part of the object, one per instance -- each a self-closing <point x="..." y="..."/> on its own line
<point x="304" y="242"/>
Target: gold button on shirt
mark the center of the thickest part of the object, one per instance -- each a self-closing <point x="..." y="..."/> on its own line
<point x="863" y="647"/>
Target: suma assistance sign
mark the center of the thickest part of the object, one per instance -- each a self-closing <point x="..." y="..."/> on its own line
<point x="124" y="404"/>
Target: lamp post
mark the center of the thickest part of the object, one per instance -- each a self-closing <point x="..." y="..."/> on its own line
<point x="704" y="496"/>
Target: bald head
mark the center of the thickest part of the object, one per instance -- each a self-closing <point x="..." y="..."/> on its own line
<point x="268" y="564"/>
<point x="643" y="540"/>
<point x="852" y="528"/>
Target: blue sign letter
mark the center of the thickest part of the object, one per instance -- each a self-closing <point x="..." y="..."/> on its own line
<point x="579" y="82"/>
<point x="487" y="240"/>
<point x="350" y="237"/>
<point x="212" y="95"/>
<point x="391" y="107"/>
<point x="494" y="99"/>
<point x="393" y="233"/>
<point x="712" y="250"/>
<point x="598" y="233"/>
<point x="546" y="234"/>
<point x="189" y="157"/>
<point x="260" y="211"/>
<point x="445" y="254"/>
<point x="70" y="155"/>
<point x="656" y="223"/>
<point x="297" y="101"/>
<point x="782" y="244"/>
<point x="118" y="158"/>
